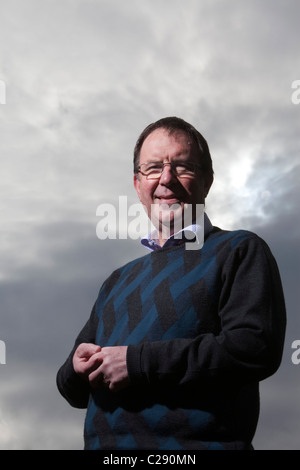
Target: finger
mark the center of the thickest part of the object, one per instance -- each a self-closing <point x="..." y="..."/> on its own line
<point x="85" y="365"/>
<point x="93" y="363"/>
<point x="97" y="378"/>
<point x="86" y="350"/>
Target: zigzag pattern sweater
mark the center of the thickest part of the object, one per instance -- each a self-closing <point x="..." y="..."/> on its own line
<point x="203" y="328"/>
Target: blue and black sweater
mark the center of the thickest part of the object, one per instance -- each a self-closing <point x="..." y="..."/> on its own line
<point x="203" y="328"/>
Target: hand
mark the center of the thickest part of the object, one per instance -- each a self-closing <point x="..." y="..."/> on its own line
<point x="102" y="367"/>
<point x="85" y="359"/>
<point x="112" y="371"/>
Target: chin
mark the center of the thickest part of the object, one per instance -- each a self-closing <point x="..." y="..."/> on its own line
<point x="171" y="223"/>
<point x="167" y="215"/>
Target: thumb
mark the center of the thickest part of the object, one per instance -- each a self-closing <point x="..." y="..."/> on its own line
<point x="86" y="350"/>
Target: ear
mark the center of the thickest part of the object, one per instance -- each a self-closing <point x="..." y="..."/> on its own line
<point x="207" y="184"/>
<point x="137" y="184"/>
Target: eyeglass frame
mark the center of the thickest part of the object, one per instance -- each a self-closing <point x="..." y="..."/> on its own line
<point x="172" y="164"/>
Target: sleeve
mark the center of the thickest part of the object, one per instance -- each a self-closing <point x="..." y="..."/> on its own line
<point x="72" y="387"/>
<point x="250" y="342"/>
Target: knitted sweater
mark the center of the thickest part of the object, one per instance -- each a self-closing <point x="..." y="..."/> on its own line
<point x="203" y="327"/>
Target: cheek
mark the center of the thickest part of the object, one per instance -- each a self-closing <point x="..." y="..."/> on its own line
<point x="146" y="191"/>
<point x="195" y="190"/>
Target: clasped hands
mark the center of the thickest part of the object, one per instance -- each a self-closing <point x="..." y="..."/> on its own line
<point x="102" y="367"/>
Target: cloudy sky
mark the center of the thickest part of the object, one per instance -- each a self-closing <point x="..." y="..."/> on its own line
<point x="80" y="79"/>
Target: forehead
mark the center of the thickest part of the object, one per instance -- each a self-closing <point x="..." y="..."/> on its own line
<point x="160" y="144"/>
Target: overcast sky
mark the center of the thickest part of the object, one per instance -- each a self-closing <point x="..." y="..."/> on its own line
<point x="82" y="79"/>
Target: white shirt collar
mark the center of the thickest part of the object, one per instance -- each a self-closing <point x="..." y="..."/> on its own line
<point x="150" y="241"/>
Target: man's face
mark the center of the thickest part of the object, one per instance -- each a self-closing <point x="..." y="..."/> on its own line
<point x="169" y="190"/>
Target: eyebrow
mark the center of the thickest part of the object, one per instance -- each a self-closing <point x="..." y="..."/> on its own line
<point x="177" y="155"/>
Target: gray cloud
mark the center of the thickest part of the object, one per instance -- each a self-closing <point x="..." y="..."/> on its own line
<point x="83" y="79"/>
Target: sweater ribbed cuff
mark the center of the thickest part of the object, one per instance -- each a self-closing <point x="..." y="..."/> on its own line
<point x="134" y="367"/>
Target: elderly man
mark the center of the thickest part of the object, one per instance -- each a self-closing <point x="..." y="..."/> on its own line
<point x="178" y="340"/>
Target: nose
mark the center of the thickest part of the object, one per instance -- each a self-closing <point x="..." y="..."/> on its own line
<point x="167" y="175"/>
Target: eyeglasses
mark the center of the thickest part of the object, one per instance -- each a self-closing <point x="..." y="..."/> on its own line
<point x="153" y="170"/>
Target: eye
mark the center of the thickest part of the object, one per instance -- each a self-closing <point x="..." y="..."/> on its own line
<point x="152" y="167"/>
<point x="182" y="167"/>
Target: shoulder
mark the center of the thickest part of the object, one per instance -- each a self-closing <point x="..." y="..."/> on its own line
<point x="236" y="244"/>
<point x="244" y="249"/>
<point x="234" y="238"/>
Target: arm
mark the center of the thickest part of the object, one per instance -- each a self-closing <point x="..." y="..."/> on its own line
<point x="71" y="385"/>
<point x="89" y="365"/>
<point x="249" y="345"/>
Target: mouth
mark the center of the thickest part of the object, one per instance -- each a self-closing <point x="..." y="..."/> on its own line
<point x="169" y="200"/>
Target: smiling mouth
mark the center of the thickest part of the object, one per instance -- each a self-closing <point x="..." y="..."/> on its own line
<point x="168" y="200"/>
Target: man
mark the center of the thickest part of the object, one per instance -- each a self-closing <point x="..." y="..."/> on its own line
<point x="179" y="339"/>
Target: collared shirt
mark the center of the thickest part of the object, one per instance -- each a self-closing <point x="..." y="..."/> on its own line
<point x="191" y="233"/>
